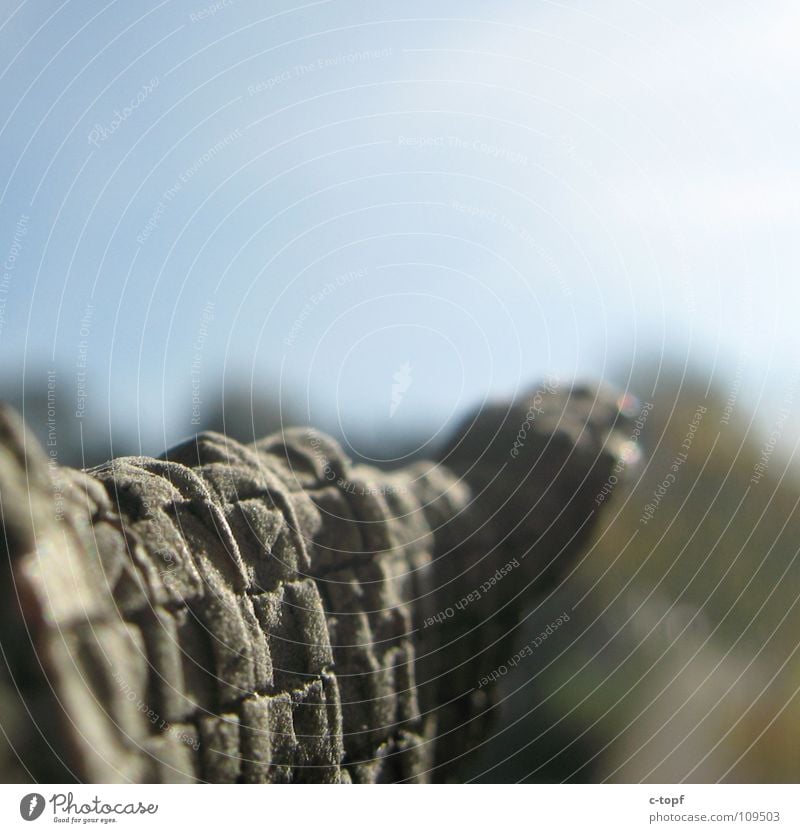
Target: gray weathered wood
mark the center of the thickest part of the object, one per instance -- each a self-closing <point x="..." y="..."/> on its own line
<point x="272" y="612"/>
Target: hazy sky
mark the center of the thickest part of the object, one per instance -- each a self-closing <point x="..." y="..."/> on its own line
<point x="393" y="210"/>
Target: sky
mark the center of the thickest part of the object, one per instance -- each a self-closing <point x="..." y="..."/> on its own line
<point x="385" y="213"/>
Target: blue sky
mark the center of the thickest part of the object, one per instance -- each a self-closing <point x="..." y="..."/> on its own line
<point x="313" y="197"/>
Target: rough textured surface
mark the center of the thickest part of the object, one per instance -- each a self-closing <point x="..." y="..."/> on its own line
<point x="273" y="613"/>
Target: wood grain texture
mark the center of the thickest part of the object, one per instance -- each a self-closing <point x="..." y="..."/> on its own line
<point x="274" y="613"/>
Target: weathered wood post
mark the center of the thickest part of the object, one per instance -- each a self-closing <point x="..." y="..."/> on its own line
<point x="272" y="612"/>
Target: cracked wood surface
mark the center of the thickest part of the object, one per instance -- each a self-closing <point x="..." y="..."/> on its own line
<point x="274" y="613"/>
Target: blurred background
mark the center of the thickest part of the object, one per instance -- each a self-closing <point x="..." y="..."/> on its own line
<point x="373" y="218"/>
